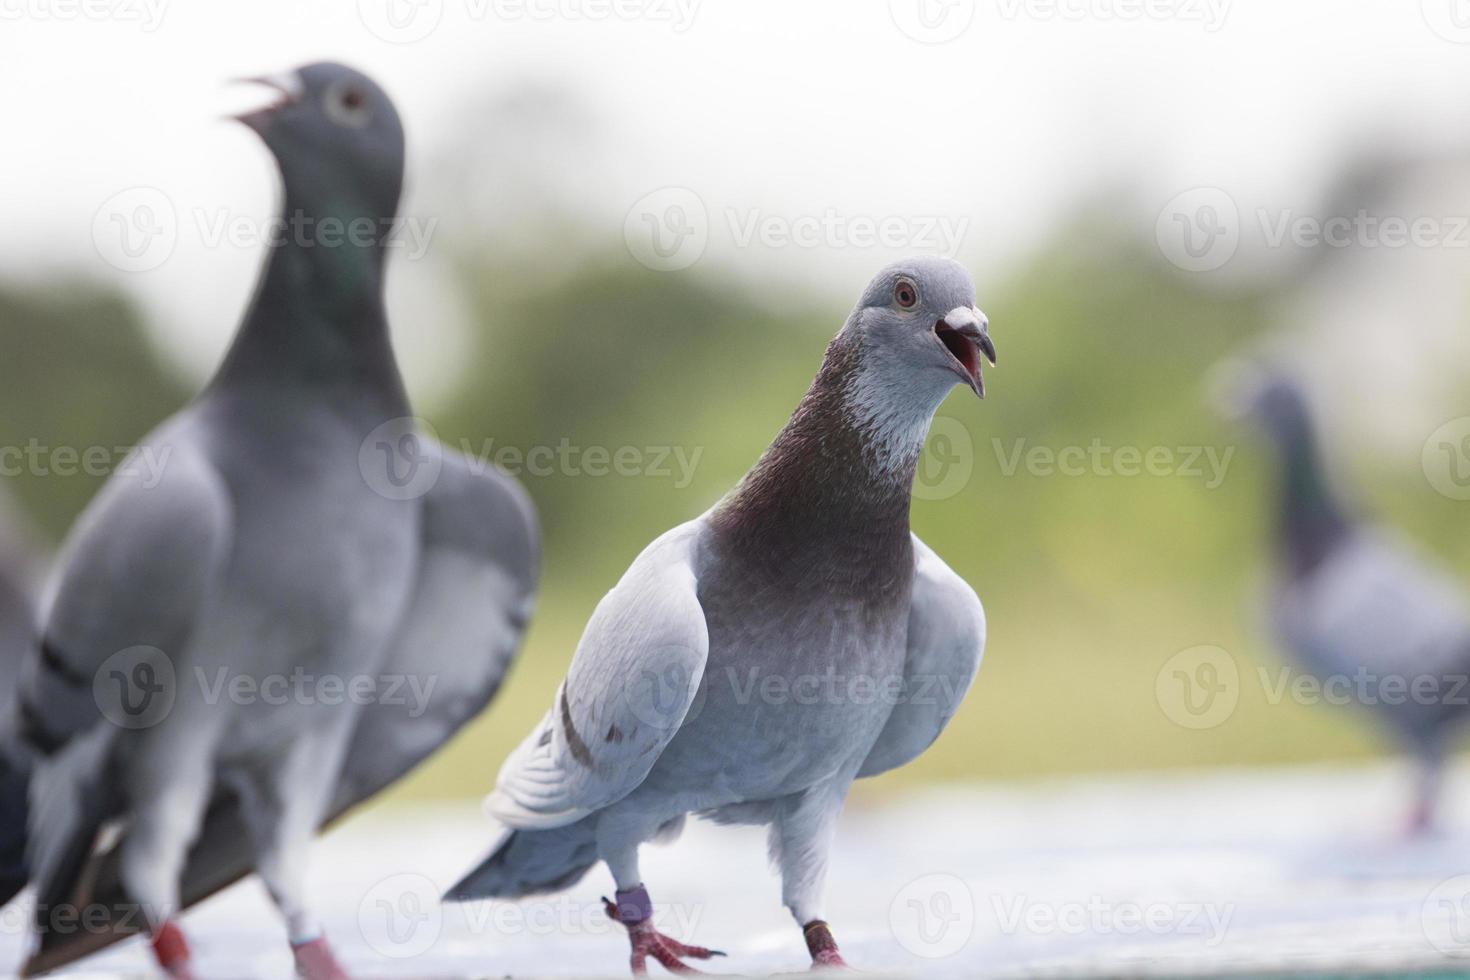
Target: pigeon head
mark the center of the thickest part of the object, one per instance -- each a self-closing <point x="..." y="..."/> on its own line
<point x="337" y="139"/>
<point x="1267" y="397"/>
<point x="918" y="324"/>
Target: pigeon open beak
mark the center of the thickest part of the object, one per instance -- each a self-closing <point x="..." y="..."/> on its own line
<point x="965" y="333"/>
<point x="288" y="88"/>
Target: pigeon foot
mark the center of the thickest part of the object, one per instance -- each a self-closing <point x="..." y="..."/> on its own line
<point x="823" y="947"/>
<point x="171" y="950"/>
<point x="634" y="910"/>
<point x="316" y="961"/>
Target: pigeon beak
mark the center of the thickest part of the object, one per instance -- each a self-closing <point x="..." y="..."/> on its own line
<point x="965" y="333"/>
<point x="288" y="88"/>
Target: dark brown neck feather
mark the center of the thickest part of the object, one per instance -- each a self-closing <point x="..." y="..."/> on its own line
<point x="820" y="508"/>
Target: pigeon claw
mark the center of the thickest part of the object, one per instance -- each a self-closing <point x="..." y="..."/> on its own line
<point x="665" y="950"/>
<point x="171" y="950"/>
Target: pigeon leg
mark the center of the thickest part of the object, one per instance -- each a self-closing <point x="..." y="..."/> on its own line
<point x="172" y="791"/>
<point x="283" y="810"/>
<point x="1426" y="795"/>
<point x="171" y="950"/>
<point x="635" y="911"/>
<point x="803" y="833"/>
<point x="822" y="946"/>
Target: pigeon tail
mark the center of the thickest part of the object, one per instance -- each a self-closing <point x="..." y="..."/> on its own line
<point x="14" y="871"/>
<point x="69" y="803"/>
<point x="531" y="862"/>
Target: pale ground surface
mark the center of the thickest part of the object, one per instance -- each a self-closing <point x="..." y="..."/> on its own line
<point x="1288" y="871"/>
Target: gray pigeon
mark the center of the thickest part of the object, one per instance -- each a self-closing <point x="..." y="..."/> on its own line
<point x="1374" y="622"/>
<point x="19" y="565"/>
<point x="203" y="633"/>
<point x="755" y="661"/>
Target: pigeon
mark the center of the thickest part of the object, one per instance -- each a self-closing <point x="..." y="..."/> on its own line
<point x="289" y="544"/>
<point x="1354" y="605"/>
<point x="755" y="661"/>
<point x="19" y="561"/>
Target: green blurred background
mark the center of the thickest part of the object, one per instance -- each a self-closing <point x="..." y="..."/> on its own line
<point x="1091" y="582"/>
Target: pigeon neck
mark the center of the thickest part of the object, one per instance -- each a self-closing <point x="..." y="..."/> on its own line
<point x="1311" y="522"/>
<point x="835" y="485"/>
<point x="317" y="315"/>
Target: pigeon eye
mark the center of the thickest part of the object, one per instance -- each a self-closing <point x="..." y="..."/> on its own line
<point x="347" y="105"/>
<point x="906" y="294"/>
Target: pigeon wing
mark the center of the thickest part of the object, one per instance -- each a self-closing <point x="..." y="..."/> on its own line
<point x="1375" y="605"/>
<point x="946" y="639"/>
<point x="462" y="631"/>
<point x="635" y="675"/>
<point x="134" y="572"/>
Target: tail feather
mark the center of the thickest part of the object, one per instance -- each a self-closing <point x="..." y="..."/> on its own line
<point x="531" y="862"/>
<point x="69" y="802"/>
<point x="14" y="870"/>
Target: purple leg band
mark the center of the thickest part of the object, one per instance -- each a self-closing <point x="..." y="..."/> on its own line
<point x="634" y="905"/>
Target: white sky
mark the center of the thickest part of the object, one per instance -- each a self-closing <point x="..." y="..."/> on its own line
<point x="784" y="108"/>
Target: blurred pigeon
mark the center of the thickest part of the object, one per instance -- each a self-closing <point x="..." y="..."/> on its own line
<point x="271" y="551"/>
<point x="755" y="661"/>
<point x="19" y="566"/>
<point x="1355" y="606"/>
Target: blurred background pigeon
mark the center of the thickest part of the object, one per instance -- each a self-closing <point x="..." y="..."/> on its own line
<point x="1361" y="611"/>
<point x="807" y="580"/>
<point x="20" y="570"/>
<point x="299" y="527"/>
